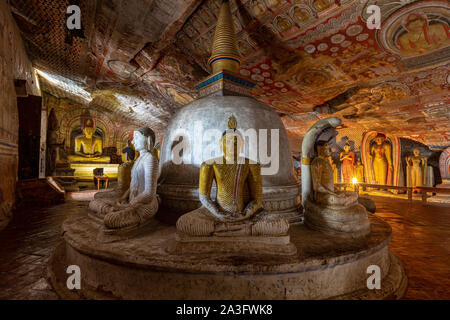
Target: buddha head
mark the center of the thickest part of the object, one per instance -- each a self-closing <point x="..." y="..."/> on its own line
<point x="323" y="149"/>
<point x="143" y="139"/>
<point x="346" y="147"/>
<point x="89" y="129"/>
<point x="416" y="152"/>
<point x="379" y="139"/>
<point x="415" y="22"/>
<point x="358" y="161"/>
<point x="232" y="141"/>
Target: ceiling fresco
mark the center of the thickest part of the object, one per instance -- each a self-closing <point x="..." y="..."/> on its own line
<point x="309" y="58"/>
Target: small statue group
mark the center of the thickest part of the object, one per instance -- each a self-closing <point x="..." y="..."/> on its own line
<point x="350" y="170"/>
<point x="236" y="211"/>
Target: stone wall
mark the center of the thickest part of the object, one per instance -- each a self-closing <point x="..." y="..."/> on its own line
<point x="14" y="64"/>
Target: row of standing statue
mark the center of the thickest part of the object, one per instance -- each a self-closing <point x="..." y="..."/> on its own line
<point x="380" y="162"/>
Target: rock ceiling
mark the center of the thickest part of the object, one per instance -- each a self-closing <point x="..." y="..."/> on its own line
<point x="309" y="58"/>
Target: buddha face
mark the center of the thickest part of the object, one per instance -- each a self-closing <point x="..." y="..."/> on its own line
<point x="139" y="141"/>
<point x="232" y="145"/>
<point x="324" y="150"/>
<point x="416" y="152"/>
<point x="346" y="148"/>
<point x="379" y="140"/>
<point x="416" y="24"/>
<point x="88" y="132"/>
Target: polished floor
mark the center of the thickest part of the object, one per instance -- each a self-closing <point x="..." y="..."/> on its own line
<point x="421" y="239"/>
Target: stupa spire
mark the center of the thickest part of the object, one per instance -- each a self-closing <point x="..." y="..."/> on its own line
<point x="225" y="55"/>
<point x="225" y="79"/>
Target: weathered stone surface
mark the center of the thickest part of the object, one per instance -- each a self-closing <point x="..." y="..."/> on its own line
<point x="14" y="64"/>
<point x="419" y="232"/>
<point x="369" y="204"/>
<point x="324" y="266"/>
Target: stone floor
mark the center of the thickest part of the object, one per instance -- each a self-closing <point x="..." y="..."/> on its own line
<point x="421" y="240"/>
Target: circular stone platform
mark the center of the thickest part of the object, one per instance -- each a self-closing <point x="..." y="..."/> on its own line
<point x="146" y="267"/>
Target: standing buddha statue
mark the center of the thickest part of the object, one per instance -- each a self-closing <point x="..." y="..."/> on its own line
<point x="359" y="171"/>
<point x="416" y="169"/>
<point x="381" y="159"/>
<point x="347" y="158"/>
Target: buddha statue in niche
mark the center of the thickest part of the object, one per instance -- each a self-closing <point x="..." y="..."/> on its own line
<point x="328" y="210"/>
<point x="380" y="158"/>
<point x="416" y="169"/>
<point x="88" y="147"/>
<point x="301" y="15"/>
<point x="239" y="196"/>
<point x="139" y="203"/>
<point x="283" y="24"/>
<point x="322" y="5"/>
<point x="347" y="158"/>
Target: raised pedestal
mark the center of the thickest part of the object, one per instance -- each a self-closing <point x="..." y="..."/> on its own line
<point x="340" y="221"/>
<point x="234" y="245"/>
<point x="149" y="267"/>
<point x="441" y="198"/>
<point x="84" y="171"/>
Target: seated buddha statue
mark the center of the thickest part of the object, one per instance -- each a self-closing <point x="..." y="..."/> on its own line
<point x="139" y="203"/>
<point x="330" y="211"/>
<point x="235" y="212"/>
<point x="88" y="147"/>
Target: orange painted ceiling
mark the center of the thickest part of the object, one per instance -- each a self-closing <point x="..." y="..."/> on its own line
<point x="309" y="58"/>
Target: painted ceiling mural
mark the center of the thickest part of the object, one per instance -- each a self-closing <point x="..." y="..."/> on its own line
<point x="309" y="58"/>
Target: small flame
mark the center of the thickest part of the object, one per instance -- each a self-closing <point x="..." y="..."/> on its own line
<point x="354" y="180"/>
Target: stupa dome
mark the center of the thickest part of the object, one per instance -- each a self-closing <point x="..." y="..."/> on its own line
<point x="179" y="181"/>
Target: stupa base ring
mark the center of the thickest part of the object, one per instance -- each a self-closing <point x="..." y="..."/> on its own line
<point x="147" y="268"/>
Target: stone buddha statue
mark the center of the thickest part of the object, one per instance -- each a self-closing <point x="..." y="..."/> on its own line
<point x="88" y="147"/>
<point x="381" y="159"/>
<point x="239" y="196"/>
<point x="328" y="210"/>
<point x="139" y="203"/>
<point x="322" y="5"/>
<point x="416" y="169"/>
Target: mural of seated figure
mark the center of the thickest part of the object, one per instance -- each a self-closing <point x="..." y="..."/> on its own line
<point x="236" y="212"/>
<point x="329" y="211"/>
<point x="139" y="203"/>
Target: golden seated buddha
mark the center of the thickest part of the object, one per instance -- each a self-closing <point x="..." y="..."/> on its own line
<point x="88" y="147"/>
<point x="239" y="196"/>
